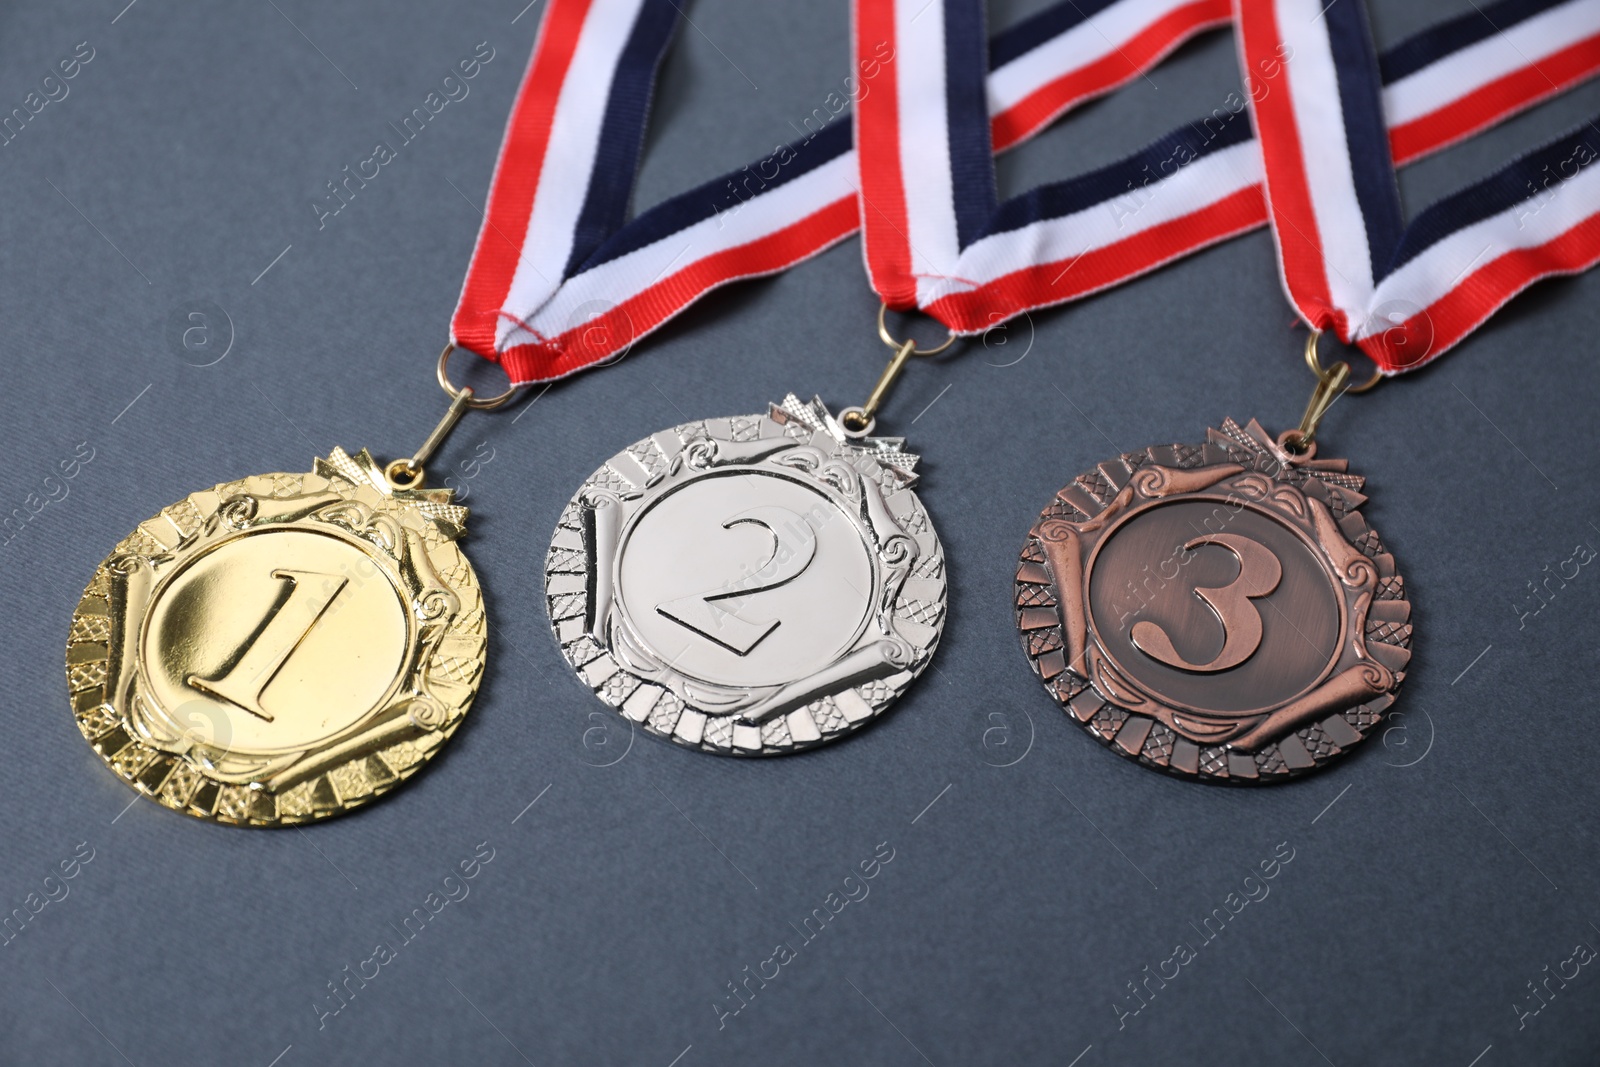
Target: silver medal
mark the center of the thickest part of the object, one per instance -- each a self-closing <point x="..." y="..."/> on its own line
<point x="749" y="586"/>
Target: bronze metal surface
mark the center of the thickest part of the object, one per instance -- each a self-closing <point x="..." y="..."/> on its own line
<point x="1218" y="611"/>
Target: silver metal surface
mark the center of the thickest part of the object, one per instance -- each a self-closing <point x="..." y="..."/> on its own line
<point x="751" y="585"/>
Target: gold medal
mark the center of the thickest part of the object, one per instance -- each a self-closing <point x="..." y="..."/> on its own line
<point x="285" y="647"/>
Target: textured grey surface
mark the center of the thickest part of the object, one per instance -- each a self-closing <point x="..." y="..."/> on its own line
<point x="1457" y="858"/>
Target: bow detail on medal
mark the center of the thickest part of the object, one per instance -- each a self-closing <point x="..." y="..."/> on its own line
<point x="364" y="471"/>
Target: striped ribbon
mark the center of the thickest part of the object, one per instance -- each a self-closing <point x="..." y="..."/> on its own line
<point x="562" y="277"/>
<point x="1406" y="292"/>
<point x="936" y="238"/>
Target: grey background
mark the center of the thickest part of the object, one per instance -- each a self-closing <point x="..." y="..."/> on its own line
<point x="1457" y="858"/>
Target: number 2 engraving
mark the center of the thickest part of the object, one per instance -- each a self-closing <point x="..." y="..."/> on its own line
<point x="794" y="546"/>
<point x="1259" y="574"/>
<point x="287" y="625"/>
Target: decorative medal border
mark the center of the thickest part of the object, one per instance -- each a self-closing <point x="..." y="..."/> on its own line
<point x="1316" y="497"/>
<point x="413" y="535"/>
<point x="870" y="479"/>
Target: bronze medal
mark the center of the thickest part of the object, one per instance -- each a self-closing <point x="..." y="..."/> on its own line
<point x="1219" y="611"/>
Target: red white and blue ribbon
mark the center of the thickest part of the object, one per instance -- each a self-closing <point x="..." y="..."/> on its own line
<point x="1445" y="85"/>
<point x="561" y="278"/>
<point x="936" y="239"/>
<point x="1407" y="292"/>
<point x="923" y="131"/>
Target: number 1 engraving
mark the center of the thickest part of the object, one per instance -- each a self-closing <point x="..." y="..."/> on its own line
<point x="287" y="625"/>
<point x="790" y="556"/>
<point x="1259" y="574"/>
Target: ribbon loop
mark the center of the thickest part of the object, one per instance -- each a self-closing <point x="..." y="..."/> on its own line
<point x="1407" y="293"/>
<point x="1334" y="118"/>
<point x="562" y="280"/>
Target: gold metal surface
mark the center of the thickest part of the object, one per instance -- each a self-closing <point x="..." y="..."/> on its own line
<point x="1332" y="383"/>
<point x="1330" y="386"/>
<point x="282" y="648"/>
<point x="1320" y="371"/>
<point x="859" y="420"/>
<point x="478" y="402"/>
<point x="888" y="338"/>
<point x="408" y="473"/>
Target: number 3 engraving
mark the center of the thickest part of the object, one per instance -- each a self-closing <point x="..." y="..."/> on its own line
<point x="794" y="546"/>
<point x="287" y="625"/>
<point x="1259" y="574"/>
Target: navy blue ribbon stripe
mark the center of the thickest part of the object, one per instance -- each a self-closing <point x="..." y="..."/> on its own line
<point x="1126" y="177"/>
<point x="972" y="177"/>
<point x="1355" y="61"/>
<point x="1052" y="200"/>
<point x="1537" y="174"/>
<point x="1447" y="38"/>
<point x="1046" y="26"/>
<point x="728" y="192"/>
<point x="616" y="164"/>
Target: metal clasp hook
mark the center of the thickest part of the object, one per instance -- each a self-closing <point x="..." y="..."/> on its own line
<point x="1332" y="383"/>
<point x="408" y="473"/>
<point x="859" y="421"/>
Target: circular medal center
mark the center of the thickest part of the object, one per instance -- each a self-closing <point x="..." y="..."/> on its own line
<point x="275" y="640"/>
<point x="746" y="580"/>
<point x="1213" y="606"/>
